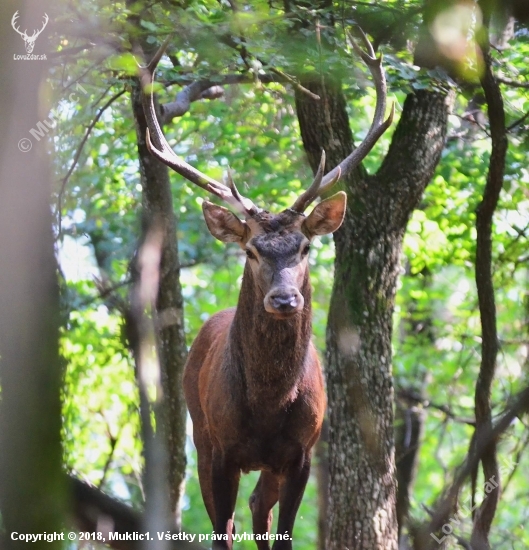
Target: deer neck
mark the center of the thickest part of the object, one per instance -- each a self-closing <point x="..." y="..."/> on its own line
<point x="271" y="353"/>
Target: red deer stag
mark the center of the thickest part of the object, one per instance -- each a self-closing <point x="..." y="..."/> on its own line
<point x="253" y="381"/>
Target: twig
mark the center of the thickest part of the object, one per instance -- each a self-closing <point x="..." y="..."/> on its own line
<point x="516" y="460"/>
<point x="224" y="79"/>
<point x="113" y="443"/>
<point x="295" y="83"/>
<point x="76" y="81"/>
<point x="78" y="154"/>
<point x="513" y="83"/>
<point x="98" y="100"/>
<point x="446" y="502"/>
<point x="104" y="291"/>
<point x="472" y="120"/>
<point x="70" y="51"/>
<point x="426" y="403"/>
<point x="518" y="122"/>
<point x="446" y="410"/>
<point x="382" y="7"/>
<point x="241" y="48"/>
<point x="520" y="234"/>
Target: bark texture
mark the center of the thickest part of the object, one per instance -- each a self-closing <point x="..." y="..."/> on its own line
<point x="362" y="496"/>
<point x="158" y="208"/>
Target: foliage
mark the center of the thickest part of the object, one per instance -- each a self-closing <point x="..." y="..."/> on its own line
<point x="101" y="431"/>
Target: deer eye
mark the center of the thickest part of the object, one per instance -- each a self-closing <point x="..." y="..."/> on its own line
<point x="250" y="255"/>
<point x="306" y="250"/>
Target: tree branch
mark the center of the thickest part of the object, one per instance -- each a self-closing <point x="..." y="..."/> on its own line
<point x="184" y="98"/>
<point x="518" y="122"/>
<point x="70" y="51"/>
<point x="486" y="299"/>
<point x="199" y="89"/>
<point x="411" y="160"/>
<point x="225" y="79"/>
<point x="94" y="510"/>
<point x="446" y="503"/>
<point x="513" y="83"/>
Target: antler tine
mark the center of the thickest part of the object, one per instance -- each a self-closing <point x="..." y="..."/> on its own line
<point x="370" y="55"/>
<point x="164" y="153"/>
<point x="14" y="22"/>
<point x="45" y="20"/>
<point x="378" y="126"/>
<point x="249" y="206"/>
<point x="312" y="192"/>
<point x="153" y="63"/>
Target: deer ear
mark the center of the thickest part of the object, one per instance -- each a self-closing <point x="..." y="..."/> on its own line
<point x="223" y="224"/>
<point x="326" y="216"/>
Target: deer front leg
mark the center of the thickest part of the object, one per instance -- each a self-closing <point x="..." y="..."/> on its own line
<point x="290" y="495"/>
<point x="225" y="483"/>
<point x="263" y="499"/>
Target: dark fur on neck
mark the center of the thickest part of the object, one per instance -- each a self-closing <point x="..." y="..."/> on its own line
<point x="269" y="352"/>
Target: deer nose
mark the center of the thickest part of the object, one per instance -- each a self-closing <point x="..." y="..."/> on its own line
<point x="284" y="300"/>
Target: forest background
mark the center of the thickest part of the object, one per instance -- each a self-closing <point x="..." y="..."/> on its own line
<point x="430" y="268"/>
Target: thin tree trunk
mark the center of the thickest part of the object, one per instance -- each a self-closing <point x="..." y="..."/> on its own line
<point x="418" y="327"/>
<point x="322" y="477"/>
<point x="486" y="299"/>
<point x="158" y="207"/>
<point x="362" y="496"/>
<point x="408" y="432"/>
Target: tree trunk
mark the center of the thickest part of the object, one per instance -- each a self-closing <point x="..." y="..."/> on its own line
<point x="362" y="496"/>
<point x="32" y="488"/>
<point x="322" y="476"/>
<point x="158" y="207"/>
<point x="416" y="330"/>
<point x="409" y="424"/>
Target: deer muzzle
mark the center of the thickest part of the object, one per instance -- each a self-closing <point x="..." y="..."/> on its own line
<point x="284" y="301"/>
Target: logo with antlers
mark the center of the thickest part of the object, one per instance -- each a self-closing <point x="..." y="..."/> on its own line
<point x="29" y="40"/>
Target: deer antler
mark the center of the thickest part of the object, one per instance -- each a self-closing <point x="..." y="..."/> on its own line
<point x="322" y="183"/>
<point x="24" y="34"/>
<point x="36" y="33"/>
<point x="163" y="151"/>
<point x="13" y="23"/>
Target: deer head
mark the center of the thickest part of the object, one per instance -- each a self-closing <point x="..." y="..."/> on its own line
<point x="29" y="40"/>
<point x="276" y="245"/>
